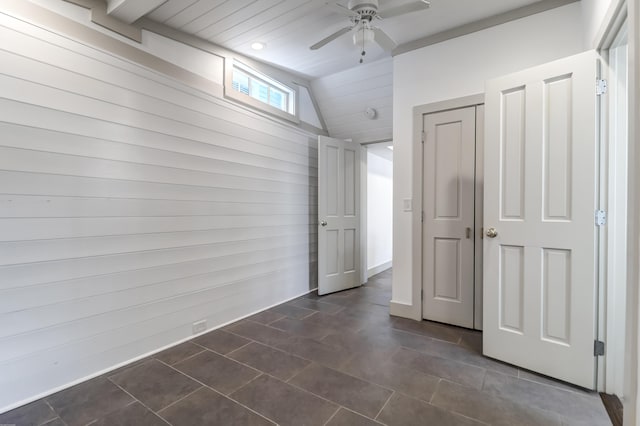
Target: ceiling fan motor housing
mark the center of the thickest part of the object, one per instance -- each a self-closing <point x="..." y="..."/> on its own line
<point x="367" y="9"/>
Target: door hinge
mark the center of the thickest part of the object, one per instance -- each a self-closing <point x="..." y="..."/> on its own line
<point x="422" y="216"/>
<point x="598" y="348"/>
<point x="424" y="136"/>
<point x="601" y="87"/>
<point x="601" y="217"/>
<point x="421" y="294"/>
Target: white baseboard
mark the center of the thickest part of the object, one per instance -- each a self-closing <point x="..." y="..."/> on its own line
<point x="145" y="355"/>
<point x="377" y="269"/>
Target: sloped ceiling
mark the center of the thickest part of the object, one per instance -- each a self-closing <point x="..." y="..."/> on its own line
<point x="343" y="87"/>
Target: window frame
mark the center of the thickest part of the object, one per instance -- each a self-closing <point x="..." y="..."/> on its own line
<point x="290" y="92"/>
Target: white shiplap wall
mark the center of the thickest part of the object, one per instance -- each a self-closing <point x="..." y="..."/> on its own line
<point x="131" y="206"/>
<point x="343" y="97"/>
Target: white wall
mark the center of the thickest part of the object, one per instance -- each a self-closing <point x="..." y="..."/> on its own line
<point x="379" y="213"/>
<point x="344" y="96"/>
<point x="456" y="68"/>
<point x="593" y="14"/>
<point x="131" y="206"/>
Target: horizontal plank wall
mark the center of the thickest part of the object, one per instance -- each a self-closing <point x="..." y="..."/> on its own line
<point x="132" y="206"/>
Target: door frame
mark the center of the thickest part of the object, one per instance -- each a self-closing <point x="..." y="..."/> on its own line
<point x="416" y="211"/>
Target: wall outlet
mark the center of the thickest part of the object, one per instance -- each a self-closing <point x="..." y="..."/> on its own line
<point x="199" y="326"/>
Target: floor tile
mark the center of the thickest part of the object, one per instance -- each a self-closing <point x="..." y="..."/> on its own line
<point x="283" y="403"/>
<point x="155" y="384"/>
<point x="218" y="372"/>
<point x="393" y="376"/>
<point x="490" y="408"/>
<point x="338" y="322"/>
<point x="404" y="411"/>
<point x="538" y="378"/>
<point x="88" y="401"/>
<point x="35" y="414"/>
<point x="221" y="341"/>
<point x="178" y="353"/>
<point x="429" y="329"/>
<point x="568" y="404"/>
<point x="349" y="418"/>
<point x="55" y="422"/>
<point x="306" y="328"/>
<point x="206" y="407"/>
<point x="355" y="394"/>
<point x="451" y="351"/>
<point x="317" y="305"/>
<point x="271" y="361"/>
<point x="292" y="311"/>
<point x="260" y="333"/>
<point x="132" y="415"/>
<point x="313" y="350"/>
<point x="266" y="317"/>
<point x="464" y="374"/>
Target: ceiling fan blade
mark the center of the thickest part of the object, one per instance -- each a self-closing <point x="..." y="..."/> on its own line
<point x="383" y="40"/>
<point x="329" y="39"/>
<point x="404" y="9"/>
<point x="338" y="8"/>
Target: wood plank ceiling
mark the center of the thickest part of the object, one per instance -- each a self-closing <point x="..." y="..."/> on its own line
<point x="289" y="27"/>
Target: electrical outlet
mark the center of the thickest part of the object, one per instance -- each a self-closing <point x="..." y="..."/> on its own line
<point x="199" y="326"/>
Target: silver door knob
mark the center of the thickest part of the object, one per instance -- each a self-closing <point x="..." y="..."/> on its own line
<point x="323" y="223"/>
<point x="492" y="233"/>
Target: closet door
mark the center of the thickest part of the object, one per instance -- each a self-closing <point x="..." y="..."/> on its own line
<point x="449" y="214"/>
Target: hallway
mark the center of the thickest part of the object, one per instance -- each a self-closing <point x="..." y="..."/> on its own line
<point x="333" y="360"/>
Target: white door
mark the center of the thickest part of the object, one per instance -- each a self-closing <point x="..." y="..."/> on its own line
<point x="448" y="206"/>
<point x="539" y="203"/>
<point x="338" y="215"/>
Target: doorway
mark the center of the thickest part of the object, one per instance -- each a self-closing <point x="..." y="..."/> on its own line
<point x="379" y="207"/>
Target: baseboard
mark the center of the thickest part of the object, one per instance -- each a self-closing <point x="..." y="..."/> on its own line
<point x="145" y="355"/>
<point x="405" y="310"/>
<point x="377" y="269"/>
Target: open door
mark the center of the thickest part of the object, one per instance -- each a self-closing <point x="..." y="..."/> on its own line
<point x="338" y="215"/>
<point x="540" y="236"/>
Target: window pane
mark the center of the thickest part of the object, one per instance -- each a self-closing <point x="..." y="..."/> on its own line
<point x="277" y="99"/>
<point x="259" y="90"/>
<point x="240" y="82"/>
<point x="262" y="88"/>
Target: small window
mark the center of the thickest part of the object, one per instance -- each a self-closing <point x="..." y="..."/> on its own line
<point x="271" y="93"/>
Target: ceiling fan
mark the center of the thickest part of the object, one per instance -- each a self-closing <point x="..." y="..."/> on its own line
<point x="361" y="13"/>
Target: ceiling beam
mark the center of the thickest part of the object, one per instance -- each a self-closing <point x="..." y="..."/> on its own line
<point x="129" y="11"/>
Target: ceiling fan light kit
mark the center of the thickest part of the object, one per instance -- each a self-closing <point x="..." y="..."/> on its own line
<point x="361" y="13"/>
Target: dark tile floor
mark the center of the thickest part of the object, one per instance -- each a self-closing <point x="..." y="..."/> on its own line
<point x="333" y="360"/>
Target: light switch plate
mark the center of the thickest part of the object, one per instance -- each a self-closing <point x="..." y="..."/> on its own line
<point x="407" y="204"/>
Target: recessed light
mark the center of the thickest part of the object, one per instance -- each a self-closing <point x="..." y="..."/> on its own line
<point x="257" y="45"/>
<point x="390" y="147"/>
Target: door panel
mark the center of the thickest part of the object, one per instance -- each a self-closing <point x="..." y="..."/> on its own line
<point x="339" y="215"/>
<point x="448" y="230"/>
<point x="540" y="196"/>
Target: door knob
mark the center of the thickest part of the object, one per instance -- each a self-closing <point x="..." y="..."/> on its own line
<point x="492" y="233"/>
<point x="323" y="223"/>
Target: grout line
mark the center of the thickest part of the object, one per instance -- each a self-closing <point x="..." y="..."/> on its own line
<point x="180" y="399"/>
<point x="222" y="394"/>
<point x="235" y="350"/>
<point x="435" y="391"/>
<point x="182" y="360"/>
<point x="332" y="416"/>
<point x="385" y="404"/>
<point x="137" y="400"/>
